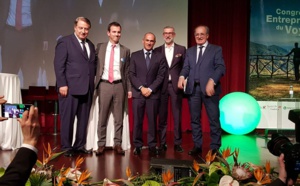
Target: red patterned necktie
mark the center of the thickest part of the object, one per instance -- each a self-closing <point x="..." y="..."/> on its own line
<point x="111" y="64"/>
<point x="18" y="24"/>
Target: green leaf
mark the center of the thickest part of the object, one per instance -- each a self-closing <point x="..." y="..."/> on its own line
<point x="2" y="171"/>
<point x="151" y="183"/>
<point x="28" y="183"/>
<point x="39" y="180"/>
<point x="213" y="179"/>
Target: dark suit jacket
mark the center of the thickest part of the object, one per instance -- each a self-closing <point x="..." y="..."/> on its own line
<point x="176" y="66"/>
<point x="72" y="67"/>
<point x="124" y="65"/>
<point x="277" y="182"/>
<point x="141" y="76"/>
<point x="18" y="171"/>
<point x="211" y="66"/>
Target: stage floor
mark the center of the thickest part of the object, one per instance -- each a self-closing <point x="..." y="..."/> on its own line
<point x="253" y="148"/>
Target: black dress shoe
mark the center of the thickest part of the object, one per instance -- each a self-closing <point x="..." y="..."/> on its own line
<point x="84" y="151"/>
<point x="137" y="150"/>
<point x="69" y="153"/>
<point x="195" y="151"/>
<point x="163" y="147"/>
<point x="178" y="148"/>
<point x="154" y="150"/>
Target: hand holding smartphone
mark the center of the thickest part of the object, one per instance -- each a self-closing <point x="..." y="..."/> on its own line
<point x="10" y="110"/>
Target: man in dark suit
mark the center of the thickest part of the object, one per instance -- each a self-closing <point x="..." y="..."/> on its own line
<point x="112" y="84"/>
<point x="18" y="171"/>
<point x="174" y="54"/>
<point x="146" y="72"/>
<point x="203" y="67"/>
<point x="75" y="68"/>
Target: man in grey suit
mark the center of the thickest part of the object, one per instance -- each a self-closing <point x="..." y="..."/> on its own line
<point x="75" y="68"/>
<point x="112" y="86"/>
<point x="147" y="72"/>
<point x="174" y="54"/>
<point x="203" y="67"/>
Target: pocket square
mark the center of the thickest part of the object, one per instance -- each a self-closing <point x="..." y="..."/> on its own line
<point x="178" y="55"/>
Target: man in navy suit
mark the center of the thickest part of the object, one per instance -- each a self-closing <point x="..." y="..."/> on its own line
<point x="146" y="72"/>
<point x="174" y="54"/>
<point x="203" y="67"/>
<point x="75" y="68"/>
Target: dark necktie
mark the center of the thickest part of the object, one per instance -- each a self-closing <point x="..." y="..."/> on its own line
<point x="200" y="54"/>
<point x="148" y="59"/>
<point x="84" y="48"/>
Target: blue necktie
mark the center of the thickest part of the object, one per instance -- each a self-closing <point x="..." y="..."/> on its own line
<point x="148" y="59"/>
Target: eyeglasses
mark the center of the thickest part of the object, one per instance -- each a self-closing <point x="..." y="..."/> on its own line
<point x="199" y="34"/>
<point x="168" y="33"/>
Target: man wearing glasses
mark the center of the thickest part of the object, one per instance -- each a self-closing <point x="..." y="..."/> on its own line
<point x="174" y="54"/>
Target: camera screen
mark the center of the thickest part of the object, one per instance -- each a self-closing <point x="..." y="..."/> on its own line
<point x="14" y="110"/>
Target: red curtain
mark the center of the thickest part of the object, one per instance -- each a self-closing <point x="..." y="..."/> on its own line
<point x="228" y="22"/>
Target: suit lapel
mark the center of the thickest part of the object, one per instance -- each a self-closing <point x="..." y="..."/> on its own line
<point x="78" y="46"/>
<point x="152" y="59"/>
<point x="122" y="58"/>
<point x="206" y="51"/>
<point x="174" y="54"/>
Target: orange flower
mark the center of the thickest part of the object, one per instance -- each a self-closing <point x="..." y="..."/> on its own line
<point x="226" y="153"/>
<point x="268" y="167"/>
<point x="261" y="177"/>
<point x="83" y="178"/>
<point x="79" y="161"/>
<point x="196" y="166"/>
<point x="48" y="151"/>
<point x="209" y="157"/>
<point x="128" y="172"/>
<point x="167" y="177"/>
<point x="129" y="175"/>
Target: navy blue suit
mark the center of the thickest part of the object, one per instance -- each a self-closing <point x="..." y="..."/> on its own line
<point x="152" y="78"/>
<point x="211" y="66"/>
<point x="75" y="70"/>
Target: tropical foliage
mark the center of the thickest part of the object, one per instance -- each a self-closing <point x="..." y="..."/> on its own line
<point x="216" y="170"/>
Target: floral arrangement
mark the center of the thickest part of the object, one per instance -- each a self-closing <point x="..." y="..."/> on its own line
<point x="214" y="171"/>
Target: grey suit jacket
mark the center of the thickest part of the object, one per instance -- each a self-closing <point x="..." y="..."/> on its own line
<point x="124" y="65"/>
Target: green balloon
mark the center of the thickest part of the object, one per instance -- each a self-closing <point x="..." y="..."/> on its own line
<point x="239" y="113"/>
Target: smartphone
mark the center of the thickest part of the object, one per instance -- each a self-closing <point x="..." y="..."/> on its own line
<point x="10" y="110"/>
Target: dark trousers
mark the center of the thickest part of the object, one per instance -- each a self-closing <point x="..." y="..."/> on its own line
<point x="212" y="108"/>
<point x="69" y="107"/>
<point x="176" y="104"/>
<point x="139" y="106"/>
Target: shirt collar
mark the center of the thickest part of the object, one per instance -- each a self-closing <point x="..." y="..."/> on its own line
<point x="110" y="44"/>
<point x="147" y="51"/>
<point x="205" y="45"/>
<point x="79" y="40"/>
<point x="172" y="46"/>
